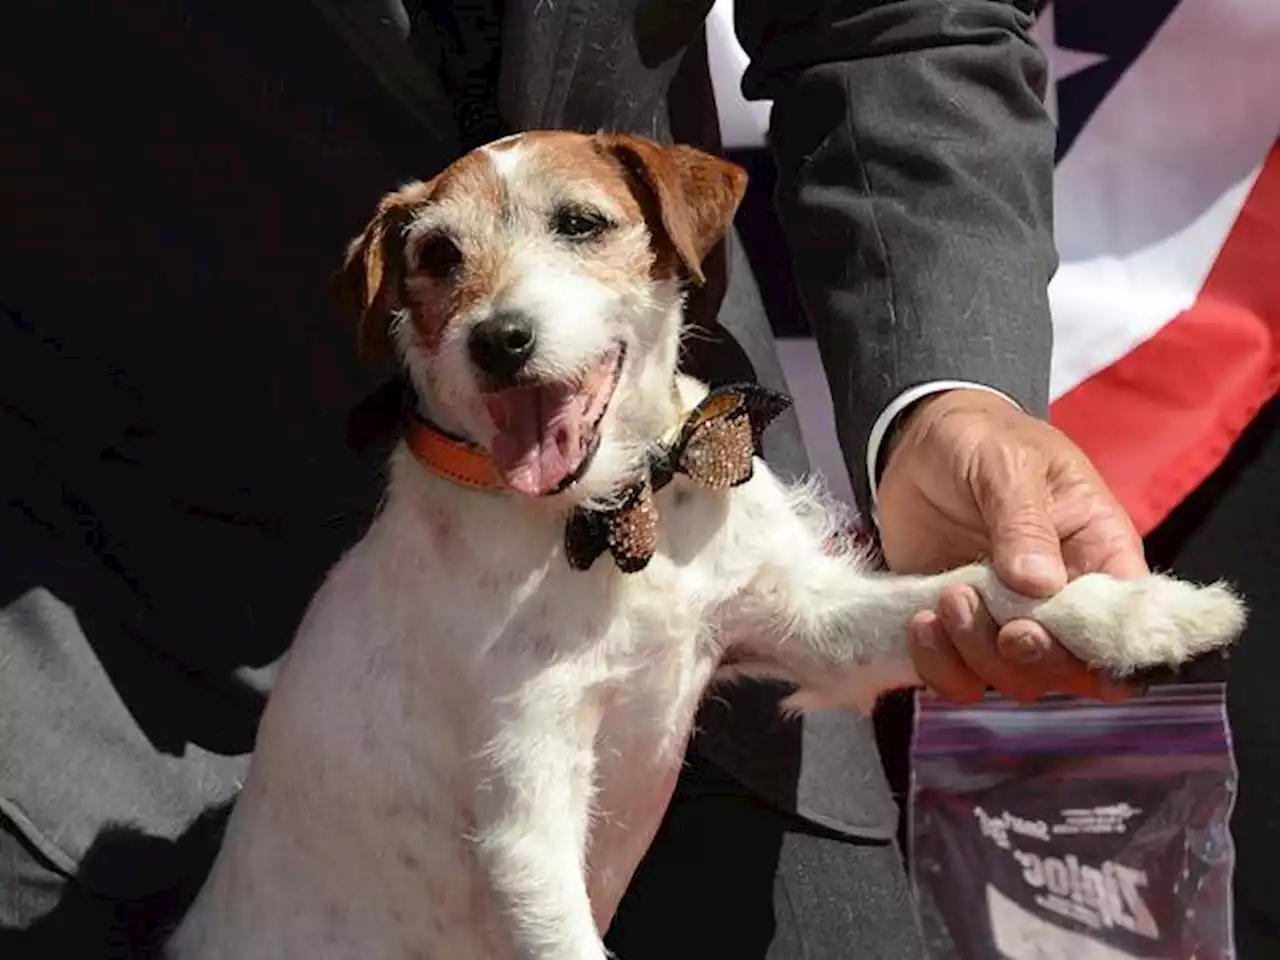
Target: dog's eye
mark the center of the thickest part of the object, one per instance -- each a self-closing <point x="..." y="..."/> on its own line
<point x="438" y="256"/>
<point x="575" y="223"/>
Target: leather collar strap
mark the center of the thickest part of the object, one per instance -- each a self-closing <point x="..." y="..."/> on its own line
<point x="453" y="457"/>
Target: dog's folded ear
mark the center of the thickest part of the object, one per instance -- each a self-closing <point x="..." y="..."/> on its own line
<point x="689" y="197"/>
<point x="370" y="282"/>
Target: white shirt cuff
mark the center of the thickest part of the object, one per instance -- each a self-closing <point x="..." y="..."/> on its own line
<point x="880" y="429"/>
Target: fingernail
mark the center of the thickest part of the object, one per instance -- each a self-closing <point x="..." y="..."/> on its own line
<point x="1021" y="647"/>
<point x="963" y="609"/>
<point x="1038" y="567"/>
<point x="925" y="632"/>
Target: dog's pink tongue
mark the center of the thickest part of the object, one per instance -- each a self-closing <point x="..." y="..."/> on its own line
<point x="539" y="441"/>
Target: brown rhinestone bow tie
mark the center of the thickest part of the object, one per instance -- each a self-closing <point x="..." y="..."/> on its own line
<point x="714" y="446"/>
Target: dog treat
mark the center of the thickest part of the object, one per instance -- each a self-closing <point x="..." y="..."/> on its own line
<point x="1071" y="830"/>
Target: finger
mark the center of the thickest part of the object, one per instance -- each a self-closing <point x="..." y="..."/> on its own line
<point x="936" y="661"/>
<point x="1106" y="545"/>
<point x="1025" y="546"/>
<point x="1109" y="690"/>
<point x="967" y="624"/>
<point x="970" y="628"/>
<point x="1129" y="564"/>
<point x="1098" y="535"/>
<point x="1025" y="642"/>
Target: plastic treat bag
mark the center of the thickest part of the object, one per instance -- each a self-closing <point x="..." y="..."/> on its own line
<point x="1072" y="830"/>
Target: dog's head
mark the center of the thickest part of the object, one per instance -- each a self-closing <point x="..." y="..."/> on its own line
<point x="537" y="289"/>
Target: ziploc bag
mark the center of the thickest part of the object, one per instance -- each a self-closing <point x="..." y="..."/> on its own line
<point x="1074" y="830"/>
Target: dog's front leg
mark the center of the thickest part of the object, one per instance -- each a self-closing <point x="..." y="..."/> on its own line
<point x="838" y="630"/>
<point x="532" y="819"/>
<point x="829" y="625"/>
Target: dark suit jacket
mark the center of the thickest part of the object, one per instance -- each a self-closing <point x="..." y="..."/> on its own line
<point x="179" y="179"/>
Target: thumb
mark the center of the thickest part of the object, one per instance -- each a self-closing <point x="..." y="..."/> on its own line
<point x="1025" y="548"/>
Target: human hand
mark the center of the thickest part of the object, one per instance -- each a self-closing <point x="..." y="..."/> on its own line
<point x="969" y="476"/>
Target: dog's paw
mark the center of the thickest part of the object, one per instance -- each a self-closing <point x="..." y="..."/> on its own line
<point x="1126" y="626"/>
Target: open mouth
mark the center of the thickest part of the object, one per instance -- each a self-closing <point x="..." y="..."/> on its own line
<point x="547" y="433"/>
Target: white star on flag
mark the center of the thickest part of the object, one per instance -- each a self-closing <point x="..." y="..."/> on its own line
<point x="1062" y="61"/>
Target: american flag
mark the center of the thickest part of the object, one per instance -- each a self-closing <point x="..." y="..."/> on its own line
<point x="1166" y="306"/>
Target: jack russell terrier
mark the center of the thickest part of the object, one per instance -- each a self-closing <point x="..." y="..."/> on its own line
<point x="480" y="721"/>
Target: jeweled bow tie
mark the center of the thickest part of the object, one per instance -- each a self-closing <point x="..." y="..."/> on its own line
<point x="714" y="447"/>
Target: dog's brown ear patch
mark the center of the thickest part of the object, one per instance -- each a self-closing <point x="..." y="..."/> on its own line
<point x="370" y="282"/>
<point x="689" y="197"/>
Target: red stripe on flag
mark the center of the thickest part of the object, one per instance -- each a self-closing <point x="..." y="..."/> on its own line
<point x="1159" y="420"/>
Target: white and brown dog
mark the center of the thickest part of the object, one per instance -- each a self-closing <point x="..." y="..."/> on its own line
<point x="478" y="725"/>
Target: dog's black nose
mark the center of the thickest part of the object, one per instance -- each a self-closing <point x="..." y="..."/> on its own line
<point x="501" y="345"/>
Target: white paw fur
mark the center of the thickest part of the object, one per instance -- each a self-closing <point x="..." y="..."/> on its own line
<point x="1124" y="626"/>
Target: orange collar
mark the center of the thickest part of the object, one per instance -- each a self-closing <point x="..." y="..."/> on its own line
<point x="452" y="457"/>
